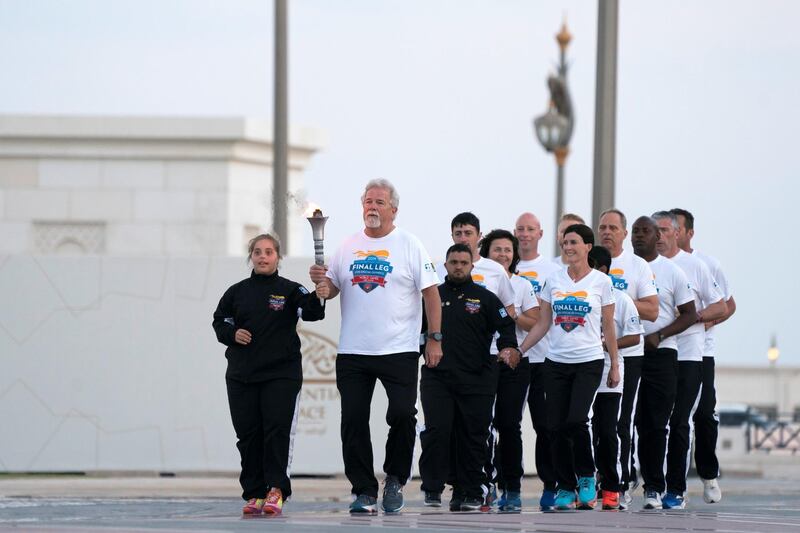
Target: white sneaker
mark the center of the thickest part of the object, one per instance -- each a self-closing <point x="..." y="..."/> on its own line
<point x="711" y="491"/>
<point x="652" y="500"/>
<point x="625" y="500"/>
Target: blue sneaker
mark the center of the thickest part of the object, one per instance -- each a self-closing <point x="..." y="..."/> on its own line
<point x="565" y="500"/>
<point x="364" y="504"/>
<point x="548" y="500"/>
<point x="587" y="493"/>
<point x="510" y="502"/>
<point x="672" y="500"/>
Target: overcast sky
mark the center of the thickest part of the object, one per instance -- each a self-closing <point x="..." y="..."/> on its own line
<point x="438" y="96"/>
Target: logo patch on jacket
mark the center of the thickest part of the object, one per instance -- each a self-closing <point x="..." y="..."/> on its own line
<point x="277" y="302"/>
<point x="472" y="305"/>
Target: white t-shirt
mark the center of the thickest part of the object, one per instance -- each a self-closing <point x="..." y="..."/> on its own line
<point x="626" y="322"/>
<point x="577" y="316"/>
<point x="632" y="274"/>
<point x="673" y="290"/>
<point x="706" y="292"/>
<point x="536" y="272"/>
<point x="380" y="281"/>
<point x="524" y="300"/>
<point x="716" y="272"/>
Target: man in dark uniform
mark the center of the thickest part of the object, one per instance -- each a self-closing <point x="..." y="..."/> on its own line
<point x="460" y="385"/>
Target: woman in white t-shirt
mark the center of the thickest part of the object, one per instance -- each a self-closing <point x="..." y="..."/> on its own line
<point x="575" y="303"/>
<point x="512" y="388"/>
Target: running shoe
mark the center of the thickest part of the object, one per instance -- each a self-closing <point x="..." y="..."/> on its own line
<point x="511" y="502"/>
<point x="253" y="506"/>
<point x="548" y="500"/>
<point x="273" y="504"/>
<point x="392" y="495"/>
<point x="565" y="500"/>
<point x="673" y="500"/>
<point x="711" y="491"/>
<point x="625" y="500"/>
<point x="611" y="501"/>
<point x="587" y="493"/>
<point x="364" y="504"/>
<point x="433" y="499"/>
<point x="472" y="504"/>
<point x="490" y="500"/>
<point x="652" y="500"/>
<point x="456" y="499"/>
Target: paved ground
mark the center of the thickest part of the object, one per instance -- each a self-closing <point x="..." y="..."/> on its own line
<point x="99" y="504"/>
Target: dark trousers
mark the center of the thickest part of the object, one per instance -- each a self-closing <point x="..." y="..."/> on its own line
<point x="569" y="392"/>
<point x="512" y="391"/>
<point x="690" y="375"/>
<point x="605" y="415"/>
<point x="454" y="419"/>
<point x="355" y="378"/>
<point x="538" y="410"/>
<point x="656" y="399"/>
<point x="263" y="414"/>
<point x="706" y="425"/>
<point x="630" y="390"/>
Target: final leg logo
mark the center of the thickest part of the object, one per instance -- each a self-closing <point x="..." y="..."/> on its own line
<point x="571" y="309"/>
<point x="370" y="269"/>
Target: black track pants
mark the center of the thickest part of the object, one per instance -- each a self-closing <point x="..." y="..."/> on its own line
<point x="355" y="378"/>
<point x="263" y="416"/>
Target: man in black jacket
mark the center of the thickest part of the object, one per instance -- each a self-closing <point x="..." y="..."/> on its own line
<point x="461" y="384"/>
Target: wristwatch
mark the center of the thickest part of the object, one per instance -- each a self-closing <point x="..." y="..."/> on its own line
<point x="435" y="335"/>
<point x="660" y="337"/>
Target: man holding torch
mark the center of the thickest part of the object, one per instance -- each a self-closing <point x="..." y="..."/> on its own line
<point x="380" y="272"/>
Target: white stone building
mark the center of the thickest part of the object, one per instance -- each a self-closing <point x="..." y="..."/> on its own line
<point x="142" y="185"/>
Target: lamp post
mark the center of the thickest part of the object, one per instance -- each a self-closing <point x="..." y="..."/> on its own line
<point x="554" y="127"/>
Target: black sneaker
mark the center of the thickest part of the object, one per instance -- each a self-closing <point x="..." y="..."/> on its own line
<point x="472" y="504"/>
<point x="456" y="499"/>
<point x="392" y="495"/>
<point x="433" y="499"/>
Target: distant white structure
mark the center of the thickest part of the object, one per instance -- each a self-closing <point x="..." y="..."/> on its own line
<point x="142" y="185"/>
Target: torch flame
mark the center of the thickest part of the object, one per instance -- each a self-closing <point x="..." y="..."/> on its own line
<point x="312" y="209"/>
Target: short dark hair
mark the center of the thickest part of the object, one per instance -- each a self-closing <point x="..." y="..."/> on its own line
<point x="687" y="217"/>
<point x="458" y="247"/>
<point x="464" y="219"/>
<point x="495" y="234"/>
<point x="599" y="256"/>
<point x="583" y="230"/>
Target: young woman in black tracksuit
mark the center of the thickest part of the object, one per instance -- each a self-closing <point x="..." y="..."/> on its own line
<point x="257" y="320"/>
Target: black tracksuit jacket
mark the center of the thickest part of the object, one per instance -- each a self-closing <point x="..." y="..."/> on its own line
<point x="471" y="314"/>
<point x="266" y="306"/>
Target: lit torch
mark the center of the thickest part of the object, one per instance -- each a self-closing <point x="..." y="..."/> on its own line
<point x="317" y="222"/>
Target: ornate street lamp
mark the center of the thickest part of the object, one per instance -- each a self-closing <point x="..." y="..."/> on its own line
<point x="554" y="128"/>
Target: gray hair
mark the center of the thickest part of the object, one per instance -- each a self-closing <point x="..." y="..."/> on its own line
<point x="618" y="212"/>
<point x="381" y="183"/>
<point x="661" y="215"/>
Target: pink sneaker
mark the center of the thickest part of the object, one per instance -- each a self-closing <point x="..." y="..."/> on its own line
<point x="253" y="506"/>
<point x="274" y="502"/>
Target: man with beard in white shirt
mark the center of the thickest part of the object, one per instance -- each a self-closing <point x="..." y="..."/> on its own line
<point x="659" y="382"/>
<point x="631" y="274"/>
<point x="706" y="423"/>
<point x="465" y="228"/>
<point x="710" y="305"/>
<point x="383" y="274"/>
<point x="535" y="268"/>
